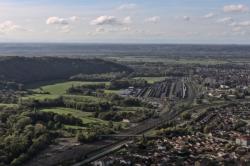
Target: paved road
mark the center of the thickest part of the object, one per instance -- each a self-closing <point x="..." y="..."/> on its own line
<point x="103" y="153"/>
<point x="165" y="116"/>
<point x="164" y="119"/>
<point x="51" y="157"/>
<point x="152" y="123"/>
<point x="104" y="147"/>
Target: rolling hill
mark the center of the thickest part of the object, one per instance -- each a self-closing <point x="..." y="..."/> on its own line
<point x="33" y="69"/>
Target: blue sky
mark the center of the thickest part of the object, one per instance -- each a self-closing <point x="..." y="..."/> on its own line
<point x="121" y="21"/>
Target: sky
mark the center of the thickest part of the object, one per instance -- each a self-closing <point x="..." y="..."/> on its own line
<point x="124" y="21"/>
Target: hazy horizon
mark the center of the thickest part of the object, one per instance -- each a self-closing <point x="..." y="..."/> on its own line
<point x="124" y="43"/>
<point x="109" y="49"/>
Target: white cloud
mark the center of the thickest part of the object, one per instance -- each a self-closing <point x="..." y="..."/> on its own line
<point x="244" y="23"/>
<point x="65" y="29"/>
<point x="235" y="8"/>
<point x="154" y="19"/>
<point x="105" y="30"/>
<point x="225" y="20"/>
<point x="105" y="20"/>
<point x="186" y="18"/>
<point x="90" y="34"/>
<point x="57" y="20"/>
<point x="111" y="20"/>
<point x="233" y="24"/>
<point x="126" y="29"/>
<point x="64" y="22"/>
<point x="129" y="6"/>
<point x="239" y="33"/>
<point x="209" y="15"/>
<point x="237" y="29"/>
<point x="9" y="26"/>
<point x="100" y="29"/>
<point x="127" y="20"/>
<point x="74" y="18"/>
<point x="240" y="24"/>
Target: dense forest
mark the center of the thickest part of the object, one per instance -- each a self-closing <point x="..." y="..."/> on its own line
<point x="29" y="70"/>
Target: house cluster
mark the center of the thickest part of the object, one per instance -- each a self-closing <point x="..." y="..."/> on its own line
<point x="227" y="122"/>
<point x="224" y="91"/>
<point x="243" y="141"/>
<point x="230" y="75"/>
<point x="222" y="81"/>
<point x="129" y="91"/>
<point x="186" y="150"/>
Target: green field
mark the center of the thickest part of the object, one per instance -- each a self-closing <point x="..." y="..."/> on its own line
<point x="41" y="97"/>
<point x="196" y="61"/>
<point x="165" y="60"/>
<point x="130" y="109"/>
<point x="151" y="80"/>
<point x="8" y="106"/>
<point x="61" y="88"/>
<point x="74" y="127"/>
<point x="65" y="111"/>
<point x="112" y="91"/>
<point x="85" y="116"/>
<point x="86" y="99"/>
<point x="56" y="90"/>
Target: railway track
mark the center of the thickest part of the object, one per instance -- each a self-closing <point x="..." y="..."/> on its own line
<point x="165" y="117"/>
<point x="122" y="141"/>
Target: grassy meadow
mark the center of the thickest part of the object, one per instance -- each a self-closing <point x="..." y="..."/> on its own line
<point x="151" y="80"/>
<point x="61" y="88"/>
<point x="56" y="90"/>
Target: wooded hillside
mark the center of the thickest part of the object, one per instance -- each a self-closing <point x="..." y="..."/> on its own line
<point x="28" y="70"/>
